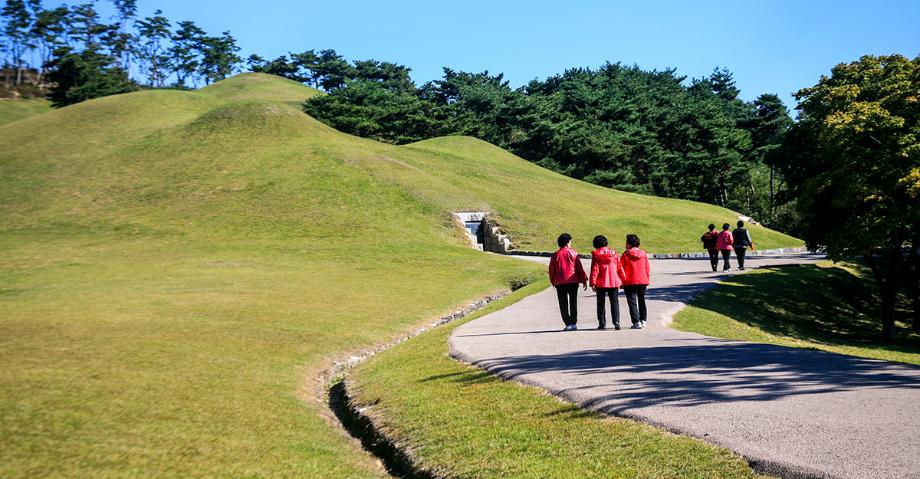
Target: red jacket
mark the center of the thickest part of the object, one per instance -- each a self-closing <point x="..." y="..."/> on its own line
<point x="710" y="240"/>
<point x="606" y="271"/>
<point x="636" y="270"/>
<point x="725" y="241"/>
<point x="565" y="267"/>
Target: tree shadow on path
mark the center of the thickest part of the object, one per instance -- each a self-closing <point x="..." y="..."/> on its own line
<point x="708" y="372"/>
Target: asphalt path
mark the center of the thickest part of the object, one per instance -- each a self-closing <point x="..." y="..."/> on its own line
<point x="790" y="412"/>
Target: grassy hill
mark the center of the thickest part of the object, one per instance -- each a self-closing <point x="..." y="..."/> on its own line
<point x="13" y="110"/>
<point x="179" y="267"/>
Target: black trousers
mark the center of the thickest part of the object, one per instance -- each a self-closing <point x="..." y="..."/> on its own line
<point x="714" y="259"/>
<point x="740" y="252"/>
<point x="567" y="294"/>
<point x="602" y="295"/>
<point x="635" y="297"/>
<point x="726" y="254"/>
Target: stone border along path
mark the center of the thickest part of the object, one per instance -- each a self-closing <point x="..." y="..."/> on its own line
<point x="790" y="412"/>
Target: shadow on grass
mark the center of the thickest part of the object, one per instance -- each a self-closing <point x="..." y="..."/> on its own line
<point x="713" y="371"/>
<point x="463" y="377"/>
<point x="827" y="305"/>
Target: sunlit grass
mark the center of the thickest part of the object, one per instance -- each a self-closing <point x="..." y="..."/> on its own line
<point x="464" y="422"/>
<point x="14" y="110"/>
<point x="827" y="307"/>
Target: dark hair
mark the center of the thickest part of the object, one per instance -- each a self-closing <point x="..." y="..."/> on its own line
<point x="632" y="241"/>
<point x="600" y="241"/>
<point x="740" y="224"/>
<point x="711" y="226"/>
<point x="564" y="239"/>
<point x="726" y="226"/>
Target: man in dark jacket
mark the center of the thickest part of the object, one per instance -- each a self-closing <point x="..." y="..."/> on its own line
<point x="709" y="242"/>
<point x="743" y="241"/>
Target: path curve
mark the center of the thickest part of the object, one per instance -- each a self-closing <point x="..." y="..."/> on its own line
<point x="790" y="412"/>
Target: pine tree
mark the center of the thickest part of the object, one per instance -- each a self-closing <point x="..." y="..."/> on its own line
<point x="153" y="33"/>
<point x="185" y="52"/>
<point x="17" y="22"/>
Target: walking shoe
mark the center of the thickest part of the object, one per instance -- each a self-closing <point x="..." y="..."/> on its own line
<point x="741" y="268"/>
<point x="616" y="326"/>
<point x="642" y="323"/>
<point x="568" y="327"/>
<point x="574" y="328"/>
<point x="601" y="326"/>
<point x="726" y="270"/>
<point x="636" y="326"/>
<point x="715" y="270"/>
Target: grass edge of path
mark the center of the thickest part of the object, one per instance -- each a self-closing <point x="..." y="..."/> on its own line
<point x="840" y="309"/>
<point x="439" y="447"/>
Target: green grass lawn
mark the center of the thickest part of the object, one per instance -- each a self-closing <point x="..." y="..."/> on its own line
<point x="13" y="110"/>
<point x="461" y="421"/>
<point x="825" y="306"/>
<point x="179" y="267"/>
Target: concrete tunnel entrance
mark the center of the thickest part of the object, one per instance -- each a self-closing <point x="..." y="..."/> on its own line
<point x="482" y="233"/>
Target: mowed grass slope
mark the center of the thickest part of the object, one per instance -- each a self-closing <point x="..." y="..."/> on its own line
<point x="14" y="110"/>
<point x="177" y="270"/>
<point x="534" y="205"/>
<point x="179" y="267"/>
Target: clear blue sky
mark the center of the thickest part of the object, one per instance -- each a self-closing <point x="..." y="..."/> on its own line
<point x="770" y="46"/>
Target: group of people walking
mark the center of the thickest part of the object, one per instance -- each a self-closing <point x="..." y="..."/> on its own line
<point x="630" y="271"/>
<point x="724" y="242"/>
<point x="609" y="272"/>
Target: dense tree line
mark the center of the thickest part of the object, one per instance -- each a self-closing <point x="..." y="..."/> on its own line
<point x="619" y="126"/>
<point x="82" y="55"/>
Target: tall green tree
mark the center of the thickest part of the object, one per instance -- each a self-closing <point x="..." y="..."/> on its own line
<point x="87" y="27"/>
<point x="281" y="66"/>
<point x="218" y="57"/>
<point x="154" y="33"/>
<point x="80" y="76"/>
<point x="331" y="70"/>
<point x="50" y="30"/>
<point x="768" y="126"/>
<point x="306" y="62"/>
<point x="853" y="161"/>
<point x="185" y="51"/>
<point x="17" y="22"/>
<point x="122" y="40"/>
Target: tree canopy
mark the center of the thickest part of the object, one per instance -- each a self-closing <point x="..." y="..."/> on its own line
<point x="853" y="163"/>
<point x="617" y="126"/>
<point x="76" y="49"/>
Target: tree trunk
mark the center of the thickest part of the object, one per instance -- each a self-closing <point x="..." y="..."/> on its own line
<point x="889" y="299"/>
<point x="886" y="270"/>
<point x="772" y="202"/>
<point x="914" y="279"/>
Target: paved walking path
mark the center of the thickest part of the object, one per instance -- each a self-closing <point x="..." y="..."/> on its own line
<point x="791" y="412"/>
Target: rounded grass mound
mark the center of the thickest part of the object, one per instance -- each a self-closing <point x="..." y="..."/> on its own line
<point x="179" y="267"/>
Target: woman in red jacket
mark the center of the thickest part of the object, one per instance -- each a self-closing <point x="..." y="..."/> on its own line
<point x="636" y="278"/>
<point x="606" y="279"/>
<point x="724" y="244"/>
<point x="565" y="272"/>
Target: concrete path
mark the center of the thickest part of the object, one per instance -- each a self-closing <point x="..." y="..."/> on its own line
<point x="791" y="412"/>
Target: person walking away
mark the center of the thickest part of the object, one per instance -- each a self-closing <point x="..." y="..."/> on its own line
<point x="742" y="241"/>
<point x="709" y="240"/>
<point x="565" y="272"/>
<point x="605" y="280"/>
<point x="724" y="244"/>
<point x="636" y="276"/>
